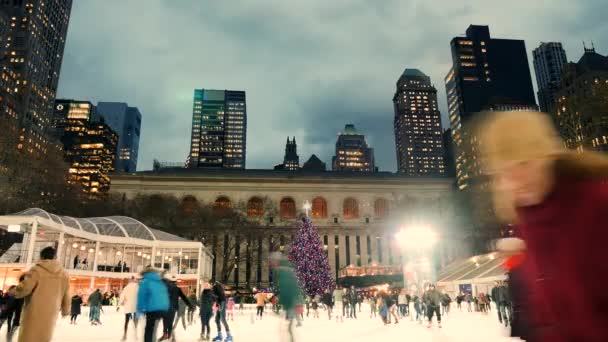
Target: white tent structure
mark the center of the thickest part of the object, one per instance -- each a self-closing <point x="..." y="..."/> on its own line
<point x="100" y="251"/>
<point x="475" y="274"/>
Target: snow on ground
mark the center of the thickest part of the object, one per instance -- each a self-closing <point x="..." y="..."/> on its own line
<point x="458" y="326"/>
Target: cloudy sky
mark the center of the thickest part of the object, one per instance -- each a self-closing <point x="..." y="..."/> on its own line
<point x="308" y="66"/>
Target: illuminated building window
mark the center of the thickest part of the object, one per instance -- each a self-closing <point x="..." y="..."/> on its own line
<point x="222" y="206"/>
<point x="350" y="209"/>
<point x="319" y="208"/>
<point x="288" y="208"/>
<point x="255" y="207"/>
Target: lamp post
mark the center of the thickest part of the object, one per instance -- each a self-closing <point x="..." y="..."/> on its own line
<point x="415" y="239"/>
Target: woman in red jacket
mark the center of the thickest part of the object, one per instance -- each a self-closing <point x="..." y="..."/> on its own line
<point x="559" y="200"/>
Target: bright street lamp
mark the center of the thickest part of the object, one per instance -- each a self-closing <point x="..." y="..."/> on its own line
<point x="416" y="237"/>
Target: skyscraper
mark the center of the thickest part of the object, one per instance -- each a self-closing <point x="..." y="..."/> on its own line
<point x="418" y="126"/>
<point x="581" y="109"/>
<point x="219" y="129"/>
<point x="89" y="145"/>
<point x="126" y="122"/>
<point x="352" y="152"/>
<point x="486" y="74"/>
<point x="549" y="61"/>
<point x="291" y="161"/>
<point x="33" y="53"/>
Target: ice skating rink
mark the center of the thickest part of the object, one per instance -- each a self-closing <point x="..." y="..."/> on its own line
<point x="457" y="326"/>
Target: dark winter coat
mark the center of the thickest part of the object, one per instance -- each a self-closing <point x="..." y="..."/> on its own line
<point x="12" y="308"/>
<point x="206" y="301"/>
<point x="327" y="299"/>
<point x="218" y="292"/>
<point x="75" y="306"/>
<point x="95" y="299"/>
<point x="174" y="294"/>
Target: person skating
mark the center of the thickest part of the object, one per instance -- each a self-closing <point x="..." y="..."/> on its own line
<point x="181" y="314"/>
<point x="128" y="300"/>
<point x="220" y="316"/>
<point x="152" y="300"/>
<point x="230" y="304"/>
<point x="315" y="306"/>
<point x="418" y="307"/>
<point x="383" y="308"/>
<point x="207" y="299"/>
<point x="11" y="313"/>
<point x="192" y="298"/>
<point x="372" y="307"/>
<point x="289" y="289"/>
<point x="402" y="302"/>
<point x="459" y="300"/>
<point x="75" y="308"/>
<point x="391" y="306"/>
<point x="94" y="302"/>
<point x="432" y="299"/>
<point x="175" y="293"/>
<point x="446" y="300"/>
<point x="45" y="289"/>
<point x="328" y="302"/>
<point x="260" y="301"/>
<point x="352" y="302"/>
<point x="339" y="305"/>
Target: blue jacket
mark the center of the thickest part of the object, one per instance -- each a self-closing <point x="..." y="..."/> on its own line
<point x="152" y="295"/>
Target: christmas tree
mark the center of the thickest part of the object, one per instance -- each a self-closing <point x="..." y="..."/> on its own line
<point x="308" y="257"/>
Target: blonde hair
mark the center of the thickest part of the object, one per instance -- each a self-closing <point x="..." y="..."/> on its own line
<point x="524" y="136"/>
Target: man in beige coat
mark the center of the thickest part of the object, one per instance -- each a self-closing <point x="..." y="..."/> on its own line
<point x="45" y="288"/>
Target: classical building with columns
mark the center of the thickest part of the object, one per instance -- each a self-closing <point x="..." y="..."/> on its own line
<point x="357" y="214"/>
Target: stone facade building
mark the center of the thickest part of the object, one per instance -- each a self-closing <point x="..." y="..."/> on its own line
<point x="357" y="214"/>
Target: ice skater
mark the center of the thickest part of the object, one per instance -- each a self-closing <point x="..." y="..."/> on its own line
<point x="128" y="300"/>
<point x="75" y="308"/>
<point x="220" y="316"/>
<point x="206" y="311"/>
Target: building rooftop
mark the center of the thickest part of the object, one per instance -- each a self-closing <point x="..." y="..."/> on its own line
<point x="119" y="226"/>
<point x="413" y="73"/>
<point x="301" y="174"/>
<point x="592" y="60"/>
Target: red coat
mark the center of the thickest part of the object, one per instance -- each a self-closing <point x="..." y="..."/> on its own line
<point x="567" y="273"/>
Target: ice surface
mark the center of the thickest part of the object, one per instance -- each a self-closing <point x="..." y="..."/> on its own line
<point x="457" y="326"/>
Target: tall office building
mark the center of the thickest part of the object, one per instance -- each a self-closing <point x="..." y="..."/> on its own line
<point x="549" y="61"/>
<point x="352" y="152"/>
<point x="291" y="161"/>
<point x="219" y="129"/>
<point x="89" y="144"/>
<point x="33" y="51"/>
<point x="418" y="126"/>
<point x="126" y="122"/>
<point x="582" y="103"/>
<point x="486" y="74"/>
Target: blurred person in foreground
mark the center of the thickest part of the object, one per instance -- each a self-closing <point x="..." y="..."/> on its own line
<point x="289" y="289"/>
<point x="558" y="200"/>
<point x="45" y="289"/>
<point x="152" y="300"/>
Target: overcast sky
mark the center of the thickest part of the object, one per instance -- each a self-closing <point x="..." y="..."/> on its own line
<point x="308" y="66"/>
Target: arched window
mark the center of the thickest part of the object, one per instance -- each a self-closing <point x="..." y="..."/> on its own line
<point x="319" y="208"/>
<point x="350" y="209"/>
<point x="189" y="204"/>
<point x="255" y="207"/>
<point x="222" y="205"/>
<point x="288" y="208"/>
<point x="381" y="208"/>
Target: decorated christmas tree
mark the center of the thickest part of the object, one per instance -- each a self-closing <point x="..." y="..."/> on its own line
<point x="308" y="257"/>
